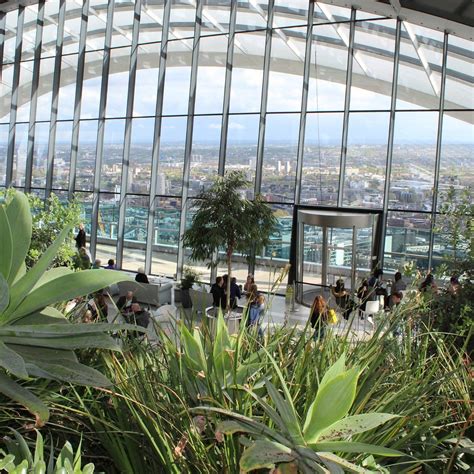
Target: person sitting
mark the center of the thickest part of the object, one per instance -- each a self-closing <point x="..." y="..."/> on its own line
<point x="252" y="293"/>
<point x="218" y="295"/>
<point x="110" y="264"/>
<point x="398" y="284"/>
<point x="376" y="287"/>
<point x="97" y="263"/>
<point x="138" y="316"/>
<point x="342" y="298"/>
<point x="363" y="294"/>
<point x="124" y="303"/>
<point x="98" y="306"/>
<point x="248" y="283"/>
<point x="141" y="277"/>
<point x="396" y="298"/>
<point x="234" y="292"/>
<point x="83" y="261"/>
<point x="428" y="285"/>
<point x="318" y="317"/>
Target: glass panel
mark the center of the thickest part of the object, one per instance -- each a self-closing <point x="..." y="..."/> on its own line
<point x="62" y="155"/>
<point x="86" y="153"/>
<point x="201" y="267"/>
<point x="372" y="67"/>
<point x="151" y="21"/>
<point x="50" y="28"/>
<point x="139" y="163"/>
<point x="290" y="13"/>
<point x="459" y="92"/>
<point x="419" y="79"/>
<point x="325" y="13"/>
<point x="45" y="86"/>
<point x="215" y="17"/>
<point x="170" y="169"/>
<point x="148" y="62"/>
<point x="413" y="160"/>
<point x="407" y="240"/>
<point x="322" y="154"/>
<point x="205" y="153"/>
<point x="135" y="232"/>
<point x="67" y="87"/>
<point x="457" y="152"/>
<point x="279" y="158"/>
<point x="123" y="23"/>
<point x="96" y="24"/>
<point x="117" y="91"/>
<point x="276" y="255"/>
<point x="24" y="92"/>
<point x="91" y="86"/>
<point x="85" y="201"/>
<point x="182" y="18"/>
<point x="339" y="256"/>
<point x="3" y="152"/>
<point x="178" y="70"/>
<point x="166" y="236"/>
<point x="327" y="84"/>
<point x="109" y="205"/>
<point x="29" y="32"/>
<point x="19" y="155"/>
<point x="40" y="155"/>
<point x="286" y="70"/>
<point x="72" y="27"/>
<point x="312" y="254"/>
<point x="366" y="160"/>
<point x="6" y="93"/>
<point x="247" y="76"/>
<point x="251" y="15"/>
<point x="111" y="173"/>
<point x="241" y="152"/>
<point x="11" y="19"/>
<point x="211" y="75"/>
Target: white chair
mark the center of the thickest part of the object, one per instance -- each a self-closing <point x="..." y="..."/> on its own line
<point x="371" y="309"/>
<point x="166" y="317"/>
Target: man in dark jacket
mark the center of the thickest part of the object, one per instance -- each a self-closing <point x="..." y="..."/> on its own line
<point x="124" y="303"/>
<point x="80" y="237"/>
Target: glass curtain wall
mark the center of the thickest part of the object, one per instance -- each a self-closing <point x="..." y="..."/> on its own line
<point x="125" y="105"/>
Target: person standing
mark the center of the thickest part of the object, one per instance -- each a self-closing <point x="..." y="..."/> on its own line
<point x="80" y="237"/>
<point x="318" y="317"/>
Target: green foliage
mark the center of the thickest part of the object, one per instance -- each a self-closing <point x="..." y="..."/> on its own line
<point x="190" y="276"/>
<point x="224" y="220"/>
<point x="326" y="418"/>
<point x="149" y="421"/>
<point x="36" y="340"/>
<point x="18" y="458"/>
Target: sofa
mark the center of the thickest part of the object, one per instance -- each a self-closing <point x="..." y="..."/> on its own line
<point x="153" y="294"/>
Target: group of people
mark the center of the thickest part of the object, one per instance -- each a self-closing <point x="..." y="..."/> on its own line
<point x="255" y="299"/>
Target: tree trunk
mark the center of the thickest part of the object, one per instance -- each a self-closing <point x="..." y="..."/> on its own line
<point x="229" y="277"/>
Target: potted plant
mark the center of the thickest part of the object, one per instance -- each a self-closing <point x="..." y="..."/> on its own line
<point x="225" y="220"/>
<point x="190" y="276"/>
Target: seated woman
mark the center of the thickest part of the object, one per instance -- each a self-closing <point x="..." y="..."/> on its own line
<point x="141" y="277"/>
<point x="318" y="317"/>
<point x="341" y="296"/>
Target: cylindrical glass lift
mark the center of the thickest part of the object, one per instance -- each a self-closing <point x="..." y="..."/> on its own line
<point x="332" y="245"/>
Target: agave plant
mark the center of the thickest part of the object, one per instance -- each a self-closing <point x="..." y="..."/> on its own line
<point x="36" y="340"/>
<point x="310" y="446"/>
<point x="19" y="459"/>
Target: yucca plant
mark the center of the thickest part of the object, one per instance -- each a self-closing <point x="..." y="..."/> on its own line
<point x="36" y="340"/>
<point x="18" y="458"/>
